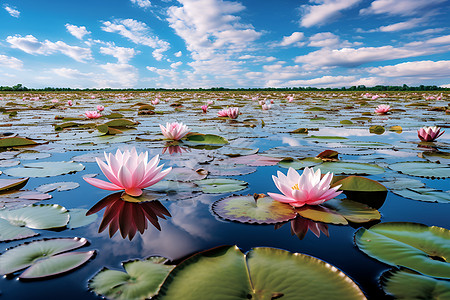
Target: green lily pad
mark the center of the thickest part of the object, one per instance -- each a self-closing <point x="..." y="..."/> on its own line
<point x="299" y="164"/>
<point x="45" y="169"/>
<point x="349" y="168"/>
<point x="424" y="194"/>
<point x="245" y="209"/>
<point x="141" y="279"/>
<point x="9" y="232"/>
<point x="436" y="156"/>
<point x="78" y="218"/>
<point x="44" y="258"/>
<point x="363" y="190"/>
<point x="121" y="123"/>
<point x="197" y="139"/>
<point x="377" y="129"/>
<point x="186" y="174"/>
<point x="422" y="169"/>
<point x="263" y="273"/>
<point x="12" y="184"/>
<point x="59" y="186"/>
<point x="339" y="211"/>
<point x="400" y="183"/>
<point x="412" y="245"/>
<point x="16" y="141"/>
<point x="221" y="185"/>
<point x="407" y="284"/>
<point x="172" y="190"/>
<point x="237" y="151"/>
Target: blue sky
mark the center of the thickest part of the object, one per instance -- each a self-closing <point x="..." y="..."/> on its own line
<point x="215" y="43"/>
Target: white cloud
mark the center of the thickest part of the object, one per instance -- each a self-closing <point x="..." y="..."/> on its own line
<point x="401" y="25"/>
<point x="422" y="69"/>
<point x="294" y="38"/>
<point x="142" y="3"/>
<point x="138" y="33"/>
<point x="12" y="11"/>
<point x="31" y="45"/>
<point x="257" y="58"/>
<point x="176" y="64"/>
<point x="178" y="54"/>
<point x="10" y="62"/>
<point x="77" y="31"/>
<point x="324" y="39"/>
<point x="122" y="75"/>
<point x="71" y="73"/>
<point x="400" y="7"/>
<point x="324" y="11"/>
<point x="335" y="81"/>
<point x="122" y="54"/>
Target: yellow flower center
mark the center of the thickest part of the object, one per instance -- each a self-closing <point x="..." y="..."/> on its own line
<point x="295" y="187"/>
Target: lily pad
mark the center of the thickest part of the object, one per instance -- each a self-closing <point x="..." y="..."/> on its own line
<point x="247" y="209"/>
<point x="45" y="169"/>
<point x="198" y="139"/>
<point x="44" y="258"/>
<point x="186" y="174"/>
<point x="255" y="160"/>
<point x="174" y="190"/>
<point x="78" y="218"/>
<point x="221" y="185"/>
<point x="12" y="184"/>
<point x="141" y="279"/>
<point x="422" y="169"/>
<point x="229" y="170"/>
<point x="412" y="245"/>
<point x="436" y="156"/>
<point x="407" y="284"/>
<point x="400" y="183"/>
<point x="237" y="151"/>
<point x="349" y="168"/>
<point x="424" y="194"/>
<point x="377" y="129"/>
<point x="363" y="190"/>
<point x="299" y="164"/>
<point x="59" y="186"/>
<point x="339" y="211"/>
<point x="263" y="273"/>
<point x="16" y="141"/>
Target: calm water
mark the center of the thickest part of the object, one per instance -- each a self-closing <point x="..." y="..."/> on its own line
<point x="193" y="226"/>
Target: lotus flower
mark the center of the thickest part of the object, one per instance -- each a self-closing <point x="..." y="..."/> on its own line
<point x="308" y="188"/>
<point x="222" y="113"/>
<point x="290" y="99"/>
<point x="129" y="171"/>
<point x="69" y="102"/>
<point x="429" y="134"/>
<point x="155" y="102"/>
<point x="382" y="109"/>
<point x="92" y="114"/>
<point x="100" y="108"/>
<point x="174" y="131"/>
<point x="233" y="112"/>
<point x="265" y="107"/>
<point x="204" y="108"/>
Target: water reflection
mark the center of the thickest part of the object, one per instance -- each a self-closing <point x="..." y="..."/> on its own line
<point x="175" y="149"/>
<point x="128" y="217"/>
<point x="300" y="226"/>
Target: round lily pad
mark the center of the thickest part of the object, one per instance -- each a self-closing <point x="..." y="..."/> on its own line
<point x="186" y="174"/>
<point x="247" y="209"/>
<point x="221" y="185"/>
<point x="141" y="279"/>
<point x="78" y="218"/>
<point x="299" y="163"/>
<point x="424" y="194"/>
<point x="45" y="169"/>
<point x="412" y="245"/>
<point x="400" y="183"/>
<point x="349" y="168"/>
<point x="407" y="284"/>
<point x="12" y="184"/>
<point x="436" y="156"/>
<point x="263" y="273"/>
<point x="363" y="190"/>
<point x="339" y="211"/>
<point x="422" y="169"/>
<point x="59" y="186"/>
<point x="44" y="258"/>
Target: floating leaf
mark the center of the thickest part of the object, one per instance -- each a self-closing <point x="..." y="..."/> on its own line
<point x="424" y="194"/>
<point x="221" y="185"/>
<point x="12" y="184"/>
<point x="263" y="273"/>
<point x="400" y="183"/>
<point x="346" y="122"/>
<point x="44" y="258"/>
<point x="141" y="279"/>
<point x="186" y="174"/>
<point x="237" y="151"/>
<point x="121" y="123"/>
<point x="204" y="139"/>
<point x="299" y="164"/>
<point x="16" y="141"/>
<point x="412" y="245"/>
<point x="363" y="190"/>
<point x="59" y="186"/>
<point x="247" y="209"/>
<point x="422" y="169"/>
<point x="45" y="169"/>
<point x="230" y="170"/>
<point x="9" y="232"/>
<point x="254" y="160"/>
<point x="349" y="168"/>
<point x="174" y="190"/>
<point x="397" y="129"/>
<point x="339" y="211"/>
<point x="78" y="218"/>
<point x="407" y="284"/>
<point x="377" y="129"/>
<point x="300" y="130"/>
<point x="436" y="156"/>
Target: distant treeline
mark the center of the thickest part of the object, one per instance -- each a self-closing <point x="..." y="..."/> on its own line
<point x="377" y="88"/>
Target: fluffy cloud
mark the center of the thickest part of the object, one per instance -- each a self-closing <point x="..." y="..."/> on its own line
<point x="138" y="33"/>
<point x="326" y="10"/>
<point x="31" y="45"/>
<point x="71" y="73"/>
<point x="400" y="7"/>
<point x="142" y="3"/>
<point x="422" y="69"/>
<point x="122" y="54"/>
<point x="77" y="31"/>
<point x="178" y="54"/>
<point x="294" y="38"/>
<point x="13" y="12"/>
<point x="257" y="58"/>
<point x="327" y="39"/>
<point x="10" y="62"/>
<point x="335" y="81"/>
<point x="121" y="75"/>
<point x="176" y="64"/>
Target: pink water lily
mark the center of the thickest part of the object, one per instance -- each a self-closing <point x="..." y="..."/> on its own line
<point x="155" y="102"/>
<point x="100" y="108"/>
<point x="222" y="113"/>
<point x="266" y="106"/>
<point x="382" y="109"/>
<point x="69" y="102"/>
<point x="92" y="114"/>
<point x="308" y="188"/>
<point x="429" y="134"/>
<point x="174" y="131"/>
<point x="233" y="112"/>
<point x="129" y="171"/>
<point x="204" y="108"/>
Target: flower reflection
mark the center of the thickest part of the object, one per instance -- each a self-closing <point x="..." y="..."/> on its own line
<point x="300" y="226"/>
<point x="129" y="217"/>
<point x="175" y="149"/>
